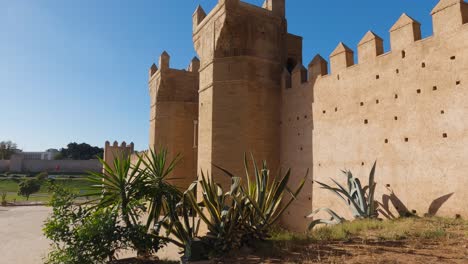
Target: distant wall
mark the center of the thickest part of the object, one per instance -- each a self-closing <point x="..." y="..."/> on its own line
<point x="62" y="165"/>
<point x="4" y="165"/>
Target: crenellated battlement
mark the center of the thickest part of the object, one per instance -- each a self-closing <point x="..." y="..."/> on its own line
<point x="117" y="150"/>
<point x="251" y="91"/>
<point x="449" y="16"/>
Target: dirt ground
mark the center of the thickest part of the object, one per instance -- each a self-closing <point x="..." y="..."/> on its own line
<point x="22" y="242"/>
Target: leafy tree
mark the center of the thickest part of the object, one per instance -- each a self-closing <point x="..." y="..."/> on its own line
<point x="82" y="234"/>
<point x="7" y="148"/>
<point x="28" y="187"/>
<point x="81" y="151"/>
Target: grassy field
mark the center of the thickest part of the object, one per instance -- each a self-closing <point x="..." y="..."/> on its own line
<point x="80" y="185"/>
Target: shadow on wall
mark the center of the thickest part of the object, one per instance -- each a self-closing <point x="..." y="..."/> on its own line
<point x="403" y="210"/>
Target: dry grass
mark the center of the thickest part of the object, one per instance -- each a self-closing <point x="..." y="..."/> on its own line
<point x="407" y="240"/>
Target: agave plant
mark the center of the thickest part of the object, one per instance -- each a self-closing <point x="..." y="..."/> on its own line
<point x="266" y="196"/>
<point x="360" y="200"/>
<point x="222" y="212"/>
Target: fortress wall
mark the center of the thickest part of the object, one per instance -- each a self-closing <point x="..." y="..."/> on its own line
<point x="174" y="115"/>
<point x="296" y="145"/>
<point x="239" y="46"/>
<point x="70" y="166"/>
<point x="406" y="109"/>
<point x="4" y="165"/>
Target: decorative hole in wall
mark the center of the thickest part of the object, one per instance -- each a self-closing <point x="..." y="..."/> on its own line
<point x="362" y="163"/>
<point x="377" y="101"/>
<point x="396" y="118"/>
<point x="338" y="77"/>
<point x="301" y="149"/>
<point x="324" y="112"/>
<point x="418" y="91"/>
<point x="305" y="117"/>
<point x="403" y="54"/>
<point x="423" y="65"/>
<point x="297" y="118"/>
<point x="442" y="112"/>
<point x="452" y="58"/>
<point x="434" y="88"/>
<point x="406" y="139"/>
<point x="386" y="141"/>
<point x="377" y="77"/>
<point x="366" y="121"/>
<point x="320" y="165"/>
<point x="336" y="109"/>
<point x="396" y="96"/>
<point x="458" y="83"/>
<point x="397" y="71"/>
<point x="362" y="103"/>
<point x="444" y="135"/>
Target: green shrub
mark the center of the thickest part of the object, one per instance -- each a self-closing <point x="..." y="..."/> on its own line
<point x="28" y="187"/>
<point x="80" y="234"/>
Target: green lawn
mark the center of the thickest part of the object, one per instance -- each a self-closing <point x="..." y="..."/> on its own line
<point x="79" y="185"/>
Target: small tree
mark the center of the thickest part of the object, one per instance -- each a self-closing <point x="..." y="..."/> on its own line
<point x="7" y="148"/>
<point x="28" y="187"/>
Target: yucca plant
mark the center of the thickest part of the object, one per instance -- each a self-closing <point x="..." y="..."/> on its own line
<point x="155" y="170"/>
<point x="359" y="199"/>
<point x="118" y="186"/>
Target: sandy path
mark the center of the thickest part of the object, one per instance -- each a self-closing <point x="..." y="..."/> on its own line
<point x="22" y="242"/>
<point x="21" y="239"/>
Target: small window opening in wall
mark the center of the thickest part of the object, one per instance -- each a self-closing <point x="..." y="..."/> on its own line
<point x="434" y="88"/>
<point x="298" y="134"/>
<point x="386" y="141"/>
<point x="403" y="54"/>
<point x="444" y="135"/>
<point x="442" y="112"/>
<point x="377" y="101"/>
<point x="396" y="96"/>
<point x="377" y="77"/>
<point x="396" y="118"/>
<point x="305" y="117"/>
<point x="397" y="71"/>
<point x="366" y="121"/>
<point x="336" y="109"/>
<point x="338" y="77"/>
<point x="452" y="58"/>
<point x="387" y="185"/>
<point x="324" y="112"/>
<point x="406" y="139"/>
<point x="362" y="103"/>
<point x="458" y="83"/>
<point x="297" y="118"/>
<point x="320" y="165"/>
<point x="362" y="163"/>
<point x="423" y="65"/>
<point x="302" y="148"/>
<point x="418" y="91"/>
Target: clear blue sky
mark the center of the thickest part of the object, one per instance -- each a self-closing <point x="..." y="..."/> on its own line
<point x="76" y="71"/>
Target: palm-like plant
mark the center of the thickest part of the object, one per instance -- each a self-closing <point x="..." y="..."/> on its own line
<point x="359" y="199"/>
<point x="157" y="190"/>
<point x="119" y="187"/>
